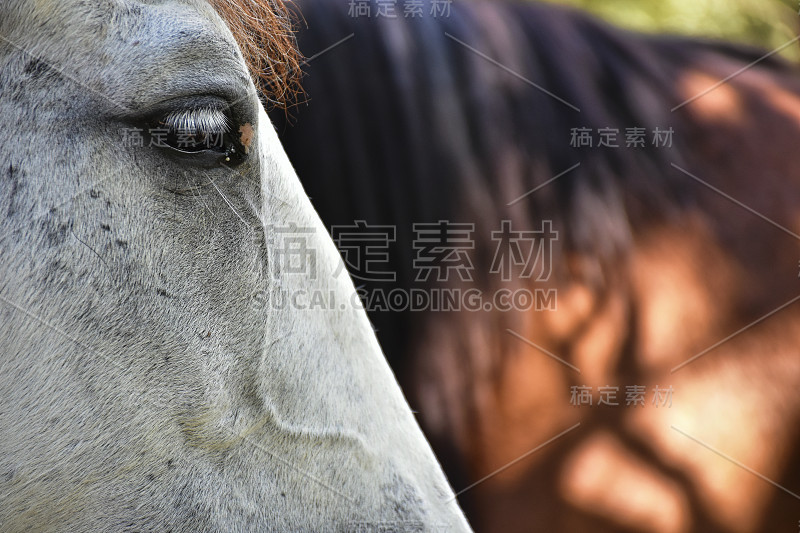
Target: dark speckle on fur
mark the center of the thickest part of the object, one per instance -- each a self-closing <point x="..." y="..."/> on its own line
<point x="13" y="175"/>
<point x="56" y="233"/>
<point x="37" y="69"/>
<point x="404" y="501"/>
<point x="55" y="270"/>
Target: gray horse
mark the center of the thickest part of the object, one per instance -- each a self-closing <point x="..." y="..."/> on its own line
<point x="151" y="379"/>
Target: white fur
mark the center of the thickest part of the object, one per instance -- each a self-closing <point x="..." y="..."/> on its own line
<point x="142" y="389"/>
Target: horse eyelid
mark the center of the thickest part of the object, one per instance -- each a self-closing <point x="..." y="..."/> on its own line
<point x="207" y="121"/>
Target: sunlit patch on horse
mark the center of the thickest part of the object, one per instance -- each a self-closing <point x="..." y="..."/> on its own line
<point x="665" y="248"/>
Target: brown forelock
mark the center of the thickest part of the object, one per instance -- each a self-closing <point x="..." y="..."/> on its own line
<point x="264" y="31"/>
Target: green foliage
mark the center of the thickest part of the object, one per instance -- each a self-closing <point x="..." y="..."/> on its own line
<point x="766" y="23"/>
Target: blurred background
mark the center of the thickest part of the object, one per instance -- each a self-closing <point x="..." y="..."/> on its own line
<point x="765" y="23"/>
<point x="468" y="117"/>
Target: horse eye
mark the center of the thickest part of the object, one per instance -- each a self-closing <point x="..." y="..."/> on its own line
<point x="192" y="131"/>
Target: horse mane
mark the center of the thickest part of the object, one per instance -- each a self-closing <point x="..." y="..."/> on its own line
<point x="265" y="34"/>
<point x="410" y="126"/>
<point x="473" y="137"/>
<point x="422" y="128"/>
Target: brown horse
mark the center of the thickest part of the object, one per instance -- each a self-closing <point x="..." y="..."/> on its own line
<point x="652" y="385"/>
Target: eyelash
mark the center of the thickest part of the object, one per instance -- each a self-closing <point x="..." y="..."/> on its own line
<point x="206" y="121"/>
<point x="194" y="131"/>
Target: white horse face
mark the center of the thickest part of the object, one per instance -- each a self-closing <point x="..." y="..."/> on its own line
<point x="146" y="384"/>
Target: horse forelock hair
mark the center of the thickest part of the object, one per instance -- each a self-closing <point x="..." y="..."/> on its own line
<point x="490" y="137"/>
<point x="264" y="31"/>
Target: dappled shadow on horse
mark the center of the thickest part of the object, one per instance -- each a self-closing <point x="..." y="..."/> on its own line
<point x="659" y="392"/>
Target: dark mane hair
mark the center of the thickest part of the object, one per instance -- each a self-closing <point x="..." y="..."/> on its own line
<point x="265" y="33"/>
<point x="409" y="125"/>
<point x="418" y="127"/>
<point x="467" y="117"/>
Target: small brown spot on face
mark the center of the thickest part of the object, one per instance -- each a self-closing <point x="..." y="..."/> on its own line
<point x="246" y="134"/>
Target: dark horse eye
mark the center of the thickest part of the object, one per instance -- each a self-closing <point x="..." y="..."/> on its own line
<point x="199" y="130"/>
<point x="192" y="130"/>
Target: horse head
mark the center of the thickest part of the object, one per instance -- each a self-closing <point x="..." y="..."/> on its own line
<point x="180" y="347"/>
